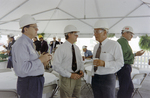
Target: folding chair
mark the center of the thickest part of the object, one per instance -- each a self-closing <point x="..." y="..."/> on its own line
<point x="57" y="87"/>
<point x="88" y="85"/>
<point x="139" y="77"/>
<point x="55" y="90"/>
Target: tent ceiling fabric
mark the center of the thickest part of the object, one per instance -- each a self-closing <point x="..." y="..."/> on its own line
<point x="54" y="15"/>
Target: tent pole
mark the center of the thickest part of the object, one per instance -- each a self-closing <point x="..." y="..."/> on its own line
<point x="75" y="17"/>
<point x="93" y="18"/>
<point x="126" y="15"/>
<point x="52" y="15"/>
<point x="32" y="15"/>
<point x="97" y="9"/>
<point x="13" y="9"/>
<point x="43" y="11"/>
<point x="84" y="9"/>
<point x="148" y="4"/>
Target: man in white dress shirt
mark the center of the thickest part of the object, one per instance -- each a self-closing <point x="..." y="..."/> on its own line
<point x="69" y="64"/>
<point x="109" y="61"/>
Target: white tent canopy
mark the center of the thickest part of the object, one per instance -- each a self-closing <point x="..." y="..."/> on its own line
<point x="54" y="15"/>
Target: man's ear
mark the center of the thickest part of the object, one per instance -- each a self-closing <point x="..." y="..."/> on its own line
<point x="123" y="34"/>
<point x="25" y="29"/>
<point x="69" y="35"/>
<point x="105" y="33"/>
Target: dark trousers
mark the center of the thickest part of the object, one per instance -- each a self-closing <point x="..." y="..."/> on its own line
<point x="104" y="86"/>
<point x="9" y="64"/>
<point x="125" y="82"/>
<point x="30" y="87"/>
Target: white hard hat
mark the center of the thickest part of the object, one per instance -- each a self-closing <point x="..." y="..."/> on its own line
<point x="11" y="35"/>
<point x="54" y="36"/>
<point x="101" y="24"/>
<point x="83" y="47"/>
<point x="128" y="28"/>
<point x="59" y="37"/>
<point x="70" y="28"/>
<point x="26" y="20"/>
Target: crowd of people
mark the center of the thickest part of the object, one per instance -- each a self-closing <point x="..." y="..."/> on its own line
<point x="29" y="56"/>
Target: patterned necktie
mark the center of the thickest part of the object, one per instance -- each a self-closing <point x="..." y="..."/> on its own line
<point x="74" y="64"/>
<point x="97" y="55"/>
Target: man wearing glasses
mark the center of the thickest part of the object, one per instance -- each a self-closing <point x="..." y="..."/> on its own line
<point x="68" y="63"/>
<point x="28" y="65"/>
<point x="124" y="75"/>
<point x="107" y="60"/>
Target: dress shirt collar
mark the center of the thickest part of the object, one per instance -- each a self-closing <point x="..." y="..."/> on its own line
<point x="28" y="39"/>
<point x="69" y="44"/>
<point x="104" y="41"/>
<point x="124" y="38"/>
<point x="85" y="51"/>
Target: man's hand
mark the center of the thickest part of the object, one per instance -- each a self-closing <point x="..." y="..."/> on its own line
<point x="45" y="58"/>
<point x="51" y="42"/>
<point x="139" y="53"/>
<point x="99" y="62"/>
<point x="83" y="58"/>
<point x="81" y="73"/>
<point x="75" y="76"/>
<point x="4" y="46"/>
<point x="46" y="63"/>
<point x="8" y="51"/>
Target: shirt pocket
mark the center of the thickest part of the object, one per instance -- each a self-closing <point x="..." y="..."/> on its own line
<point x="32" y="53"/>
<point x="106" y="56"/>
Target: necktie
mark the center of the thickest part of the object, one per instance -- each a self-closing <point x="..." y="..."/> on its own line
<point x="74" y="64"/>
<point x="97" y="55"/>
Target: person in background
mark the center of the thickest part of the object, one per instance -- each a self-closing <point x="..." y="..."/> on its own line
<point x="68" y="63"/>
<point x="53" y="44"/>
<point x="37" y="44"/>
<point x="9" y="48"/>
<point x="44" y="46"/>
<point x="54" y="53"/>
<point x="59" y="40"/>
<point x="108" y="59"/>
<point x="87" y="53"/>
<point x="124" y="75"/>
<point x="28" y="65"/>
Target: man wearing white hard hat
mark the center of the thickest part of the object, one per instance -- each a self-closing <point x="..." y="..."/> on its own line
<point x="107" y="60"/>
<point x="68" y="63"/>
<point x="59" y="40"/>
<point x="28" y="65"/>
<point x="87" y="53"/>
<point x="124" y="75"/>
<point x="53" y="44"/>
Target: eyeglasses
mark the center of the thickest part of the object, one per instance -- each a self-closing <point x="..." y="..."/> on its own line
<point x="75" y="33"/>
<point x="35" y="27"/>
<point x="98" y="31"/>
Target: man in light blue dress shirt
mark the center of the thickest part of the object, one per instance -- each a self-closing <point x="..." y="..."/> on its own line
<point x="28" y="65"/>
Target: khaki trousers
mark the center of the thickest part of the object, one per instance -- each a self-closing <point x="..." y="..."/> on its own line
<point x="69" y="88"/>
